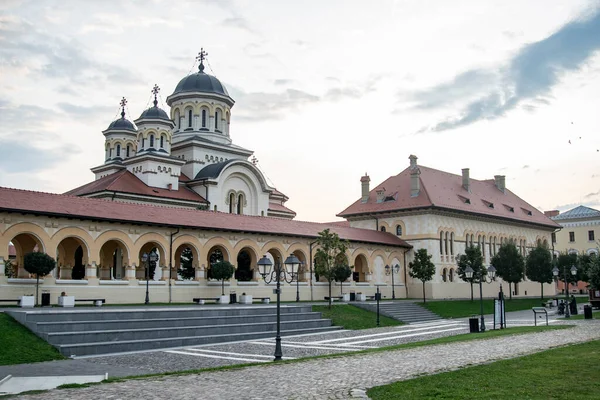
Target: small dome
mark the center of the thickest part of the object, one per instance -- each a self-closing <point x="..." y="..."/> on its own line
<point x="201" y="82"/>
<point x="155" y="113"/>
<point x="121" y="124"/>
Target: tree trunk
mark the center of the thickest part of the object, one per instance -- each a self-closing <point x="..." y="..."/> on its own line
<point x="471" y="290"/>
<point x="342" y="288"/>
<point x="37" y="285"/>
<point x="330" y="294"/>
<point x="424" y="292"/>
<point x="542" y="286"/>
<point x="222" y="287"/>
<point x="510" y="290"/>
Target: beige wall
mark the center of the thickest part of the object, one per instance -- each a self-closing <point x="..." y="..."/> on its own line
<point x="582" y="245"/>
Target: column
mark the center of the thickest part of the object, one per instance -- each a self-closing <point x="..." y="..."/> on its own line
<point x="130" y="272"/>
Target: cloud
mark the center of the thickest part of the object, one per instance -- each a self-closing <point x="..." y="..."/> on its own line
<point x="528" y="77"/>
<point x="84" y="112"/>
<point x="587" y="196"/>
<point x="260" y="106"/>
<point x="25" y="157"/>
<point x="525" y="166"/>
<point x="239" y="23"/>
<point x="280" y="82"/>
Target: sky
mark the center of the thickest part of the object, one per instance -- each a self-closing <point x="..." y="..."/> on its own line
<point x="325" y="90"/>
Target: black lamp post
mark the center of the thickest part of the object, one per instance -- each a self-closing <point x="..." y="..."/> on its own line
<point x="555" y="272"/>
<point x="298" y="282"/>
<point x="278" y="274"/>
<point x="152" y="258"/>
<point x="491" y="274"/>
<point x="391" y="271"/>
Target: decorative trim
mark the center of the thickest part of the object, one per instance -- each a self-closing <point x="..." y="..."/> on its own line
<point x="187" y="283"/>
<point x="71" y="282"/>
<point x="23" y="280"/>
<point x="248" y="283"/>
<point x="111" y="282"/>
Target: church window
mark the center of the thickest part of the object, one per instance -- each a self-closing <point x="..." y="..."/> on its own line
<point x="240" y="204"/>
<point x="162" y="142"/>
<point x="189" y="118"/>
<point x="127" y="151"/>
<point x="216" y="120"/>
<point x="151" y="140"/>
<point x="204" y="118"/>
<point x="231" y="203"/>
<point x="442" y="243"/>
<point x="451" y="243"/>
<point x="382" y="229"/>
<point x="118" y="150"/>
<point x="143" y="142"/>
<point x="446" y="244"/>
<point x="444" y="274"/>
<point x="398" y="230"/>
<point x="110" y="153"/>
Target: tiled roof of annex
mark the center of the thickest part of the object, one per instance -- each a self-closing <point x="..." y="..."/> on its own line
<point x="60" y="205"/>
<point x="580" y="212"/>
<point x="125" y="182"/>
<point x="443" y="190"/>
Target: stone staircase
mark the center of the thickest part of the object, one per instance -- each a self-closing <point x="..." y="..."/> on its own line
<point x="403" y="310"/>
<point x="104" y="331"/>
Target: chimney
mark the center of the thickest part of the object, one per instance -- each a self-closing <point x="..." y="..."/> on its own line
<point x="500" y="182"/>
<point x="415" y="184"/>
<point x="551" y="213"/>
<point x="364" y="183"/>
<point x="466" y="182"/>
<point x="413" y="161"/>
<point x="380" y="194"/>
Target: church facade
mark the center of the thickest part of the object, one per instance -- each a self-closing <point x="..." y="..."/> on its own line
<point x="176" y="185"/>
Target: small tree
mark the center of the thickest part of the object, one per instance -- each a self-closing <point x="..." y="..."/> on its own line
<point x="39" y="264"/>
<point x="539" y="266"/>
<point x="509" y="265"/>
<point x="474" y="259"/>
<point x="422" y="268"/>
<point x="328" y="256"/>
<point x="8" y="268"/>
<point x="221" y="271"/>
<point x="564" y="263"/>
<point x="186" y="268"/>
<point x="594" y="273"/>
<point x="341" y="272"/>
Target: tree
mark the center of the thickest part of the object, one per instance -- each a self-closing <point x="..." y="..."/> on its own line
<point x="328" y="256"/>
<point x="564" y="263"/>
<point x="8" y="269"/>
<point x="509" y="265"/>
<point x="474" y="259"/>
<point x="422" y="268"/>
<point x="594" y="273"/>
<point x="40" y="264"/>
<point x="341" y="272"/>
<point x="186" y="269"/>
<point x="539" y="266"/>
<point x="221" y="271"/>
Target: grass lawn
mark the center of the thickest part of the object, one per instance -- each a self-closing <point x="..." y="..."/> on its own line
<point x="351" y="317"/>
<point x="19" y="345"/>
<point x="466" y="308"/>
<point x="529" y="377"/>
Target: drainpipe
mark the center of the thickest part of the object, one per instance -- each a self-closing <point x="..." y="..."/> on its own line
<point x="310" y="262"/>
<point x="405" y="278"/>
<point x="376" y="223"/>
<point x="171" y="261"/>
<point x="206" y="190"/>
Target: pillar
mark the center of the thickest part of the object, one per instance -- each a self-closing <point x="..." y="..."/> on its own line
<point x="130" y="272"/>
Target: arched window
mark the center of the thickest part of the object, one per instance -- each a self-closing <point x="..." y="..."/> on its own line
<point x="451" y="243"/>
<point x="162" y="141"/>
<point x="398" y="230"/>
<point x="118" y="150"/>
<point x="204" y="118"/>
<point x="177" y="120"/>
<point x="382" y="229"/>
<point x="110" y="153"/>
<point x="151" y="140"/>
<point x="451" y="275"/>
<point x="231" y="203"/>
<point x="446" y="244"/>
<point x="216" y="120"/>
<point x="483" y="247"/>
<point x="444" y="274"/>
<point x="127" y="151"/>
<point x="189" y="118"/>
<point x="240" y="204"/>
<point x="441" y="243"/>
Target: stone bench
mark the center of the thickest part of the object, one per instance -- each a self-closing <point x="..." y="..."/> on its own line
<point x="265" y="300"/>
<point x="202" y="300"/>
<point x="97" y="302"/>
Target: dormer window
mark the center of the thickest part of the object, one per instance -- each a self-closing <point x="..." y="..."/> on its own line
<point x="528" y="212"/>
<point x="509" y="208"/>
<point x="488" y="204"/>
<point x="464" y="199"/>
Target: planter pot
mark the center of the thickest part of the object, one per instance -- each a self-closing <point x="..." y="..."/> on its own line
<point x="224" y="299"/>
<point x="361" y="297"/>
<point x="66" y="301"/>
<point x="246" y="299"/>
<point x="346" y="297"/>
<point x="27" y="301"/>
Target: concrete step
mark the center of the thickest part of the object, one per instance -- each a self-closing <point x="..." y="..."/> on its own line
<point x="404" y="311"/>
<point x="86" y="349"/>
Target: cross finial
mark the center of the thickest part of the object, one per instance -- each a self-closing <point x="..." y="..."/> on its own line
<point x="201" y="56"/>
<point x="123" y="104"/>
<point x="254" y="160"/>
<point x="155" y="91"/>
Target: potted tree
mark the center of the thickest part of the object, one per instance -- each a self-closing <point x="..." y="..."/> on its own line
<point x="221" y="271"/>
<point x="40" y="264"/>
<point x="245" y="298"/>
<point x="341" y="272"/>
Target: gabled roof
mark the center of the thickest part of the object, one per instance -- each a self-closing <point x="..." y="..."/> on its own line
<point x="443" y="190"/>
<point x="60" y="205"/>
<point x="125" y="182"/>
<point x="280" y="208"/>
<point x="580" y="212"/>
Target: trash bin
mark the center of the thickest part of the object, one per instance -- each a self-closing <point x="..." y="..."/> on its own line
<point x="473" y="325"/>
<point x="587" y="312"/>
<point x="45" y="299"/>
<point x="352" y="296"/>
<point x="232" y="297"/>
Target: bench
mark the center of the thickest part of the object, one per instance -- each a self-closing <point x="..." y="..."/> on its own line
<point x="539" y="310"/>
<point x="334" y="297"/>
<point x="97" y="302"/>
<point x="10" y="301"/>
<point x="202" y="300"/>
<point x="265" y="300"/>
<point x="548" y="304"/>
<point x="374" y="297"/>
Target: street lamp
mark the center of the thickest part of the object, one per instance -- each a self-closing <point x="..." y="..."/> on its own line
<point x="491" y="274"/>
<point x="298" y="282"/>
<point x="555" y="272"/>
<point x="278" y="274"/>
<point x="391" y="271"/>
<point x="152" y="258"/>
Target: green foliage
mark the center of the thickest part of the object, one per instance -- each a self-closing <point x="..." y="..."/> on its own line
<point x="351" y="317"/>
<point x="222" y="271"/>
<point x="341" y="272"/>
<point x="186" y="269"/>
<point x="330" y="253"/>
<point x="422" y="268"/>
<point x="19" y="345"/>
<point x="539" y="266"/>
<point x="593" y="273"/>
<point x="474" y="259"/>
<point x="8" y="269"/>
<point x="564" y="263"/>
<point x="509" y="264"/>
<point x="40" y="264"/>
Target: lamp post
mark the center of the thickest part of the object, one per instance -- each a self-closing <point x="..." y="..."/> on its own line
<point x="491" y="274"/>
<point x="298" y="282"/>
<point x="391" y="271"/>
<point x="277" y="274"/>
<point x="152" y="258"/>
<point x="555" y="272"/>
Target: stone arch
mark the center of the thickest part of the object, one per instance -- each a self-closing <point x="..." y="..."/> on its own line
<point x="72" y="258"/>
<point x="180" y="245"/>
<point x="218" y="241"/>
<point x="25" y="240"/>
<point x="119" y="236"/>
<point x="113" y="257"/>
<point x="218" y="250"/>
<point x="378" y="253"/>
<point x="361" y="267"/>
<point x="384" y="227"/>
<point x="304" y="267"/>
<point x="246" y="263"/>
<point x="276" y="251"/>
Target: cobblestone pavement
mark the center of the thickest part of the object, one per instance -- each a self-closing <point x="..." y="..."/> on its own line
<point x="335" y="378"/>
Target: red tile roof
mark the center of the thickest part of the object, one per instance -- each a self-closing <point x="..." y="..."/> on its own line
<point x="280" y="208"/>
<point x="125" y="182"/>
<point x="443" y="190"/>
<point x="22" y="201"/>
<point x="338" y="223"/>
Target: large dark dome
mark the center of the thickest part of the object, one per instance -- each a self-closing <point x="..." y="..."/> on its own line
<point x="121" y="124"/>
<point x="154" y="113"/>
<point x="201" y="82"/>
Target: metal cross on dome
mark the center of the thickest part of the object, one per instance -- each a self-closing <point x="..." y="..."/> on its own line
<point x="123" y="104"/>
<point x="155" y="91"/>
<point x="254" y="160"/>
<point x="201" y="56"/>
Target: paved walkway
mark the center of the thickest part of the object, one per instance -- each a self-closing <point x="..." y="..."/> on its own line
<point x="336" y="378"/>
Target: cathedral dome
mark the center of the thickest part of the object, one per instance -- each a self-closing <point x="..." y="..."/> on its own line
<point x="201" y="82"/>
<point x="121" y="124"/>
<point x="154" y="113"/>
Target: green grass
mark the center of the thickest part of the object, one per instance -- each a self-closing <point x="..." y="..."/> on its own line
<point x="466" y="308"/>
<point x="351" y="317"/>
<point x="569" y="372"/>
<point x="19" y="345"/>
